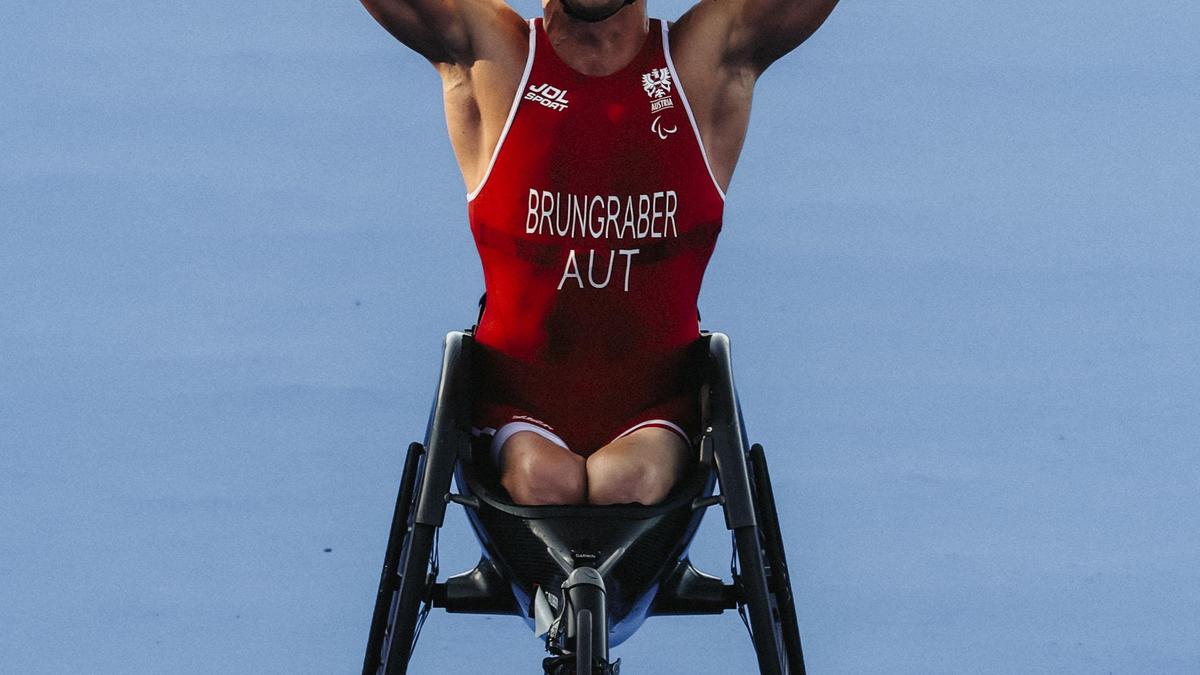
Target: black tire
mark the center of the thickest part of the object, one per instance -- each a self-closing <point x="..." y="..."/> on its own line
<point x="412" y="590"/>
<point x="583" y="642"/>
<point x="756" y="597"/>
<point x="779" y="582"/>
<point x="404" y="581"/>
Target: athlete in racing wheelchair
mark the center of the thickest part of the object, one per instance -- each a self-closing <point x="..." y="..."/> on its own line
<point x="585" y="576"/>
<point x="596" y="192"/>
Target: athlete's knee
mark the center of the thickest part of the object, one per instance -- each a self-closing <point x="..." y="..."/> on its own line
<point x="537" y="472"/>
<point x="625" y="479"/>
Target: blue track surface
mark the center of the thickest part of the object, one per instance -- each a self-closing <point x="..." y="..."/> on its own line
<point x="959" y="269"/>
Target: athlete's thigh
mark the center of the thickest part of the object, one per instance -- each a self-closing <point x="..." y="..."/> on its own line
<point x="641" y="466"/>
<point x="535" y="470"/>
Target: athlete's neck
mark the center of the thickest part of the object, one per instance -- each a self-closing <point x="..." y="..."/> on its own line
<point x="599" y="48"/>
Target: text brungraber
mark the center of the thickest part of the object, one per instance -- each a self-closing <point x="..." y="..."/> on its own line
<point x="629" y="217"/>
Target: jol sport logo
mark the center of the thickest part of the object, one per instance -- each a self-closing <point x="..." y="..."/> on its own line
<point x="548" y="95"/>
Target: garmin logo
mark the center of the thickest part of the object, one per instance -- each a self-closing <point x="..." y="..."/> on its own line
<point x="550" y="96"/>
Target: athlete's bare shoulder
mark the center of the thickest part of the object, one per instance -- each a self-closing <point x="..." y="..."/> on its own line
<point x="446" y="31"/>
<point x="479" y="48"/>
<point x="720" y="49"/>
<point x="719" y="96"/>
<point x="478" y="92"/>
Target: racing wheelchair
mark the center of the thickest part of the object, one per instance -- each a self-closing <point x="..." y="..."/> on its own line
<point x="585" y="577"/>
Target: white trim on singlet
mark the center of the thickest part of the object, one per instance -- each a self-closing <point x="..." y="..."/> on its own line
<point x="688" y="108"/>
<point x="512" y="112"/>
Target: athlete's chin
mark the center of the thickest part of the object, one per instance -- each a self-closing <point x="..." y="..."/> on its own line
<point x="597" y="6"/>
<point x="592" y="10"/>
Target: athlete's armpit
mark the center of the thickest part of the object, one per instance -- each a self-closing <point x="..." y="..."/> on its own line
<point x="754" y="34"/>
<point x="454" y="32"/>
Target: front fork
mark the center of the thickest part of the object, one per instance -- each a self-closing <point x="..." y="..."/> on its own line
<point x="578" y="638"/>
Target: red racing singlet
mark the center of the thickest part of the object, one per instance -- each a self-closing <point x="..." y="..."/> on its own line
<point x="594" y="221"/>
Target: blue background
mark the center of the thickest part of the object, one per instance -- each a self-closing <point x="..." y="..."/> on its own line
<point x="958" y="267"/>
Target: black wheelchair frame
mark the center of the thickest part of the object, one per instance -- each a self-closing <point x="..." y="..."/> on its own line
<point x="614" y="565"/>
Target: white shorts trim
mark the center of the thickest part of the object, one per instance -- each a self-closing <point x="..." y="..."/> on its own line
<point x="507" y="430"/>
<point x="656" y="423"/>
<point x="500" y="437"/>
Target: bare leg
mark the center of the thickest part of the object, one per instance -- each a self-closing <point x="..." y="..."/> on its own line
<point x="537" y="472"/>
<point x="641" y="467"/>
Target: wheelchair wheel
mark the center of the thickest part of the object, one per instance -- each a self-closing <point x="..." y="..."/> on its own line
<point x="779" y="583"/>
<point x="756" y="604"/>
<point x="404" y="586"/>
<point x="767" y="603"/>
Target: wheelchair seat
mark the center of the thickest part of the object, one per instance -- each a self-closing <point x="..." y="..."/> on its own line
<point x="634" y="546"/>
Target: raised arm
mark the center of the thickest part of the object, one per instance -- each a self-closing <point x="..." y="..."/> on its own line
<point x="721" y="47"/>
<point x="753" y="34"/>
<point x="479" y="48"/>
<point x="445" y="31"/>
<point x="769" y="29"/>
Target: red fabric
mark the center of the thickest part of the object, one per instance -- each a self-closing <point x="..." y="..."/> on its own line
<point x="594" y="226"/>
